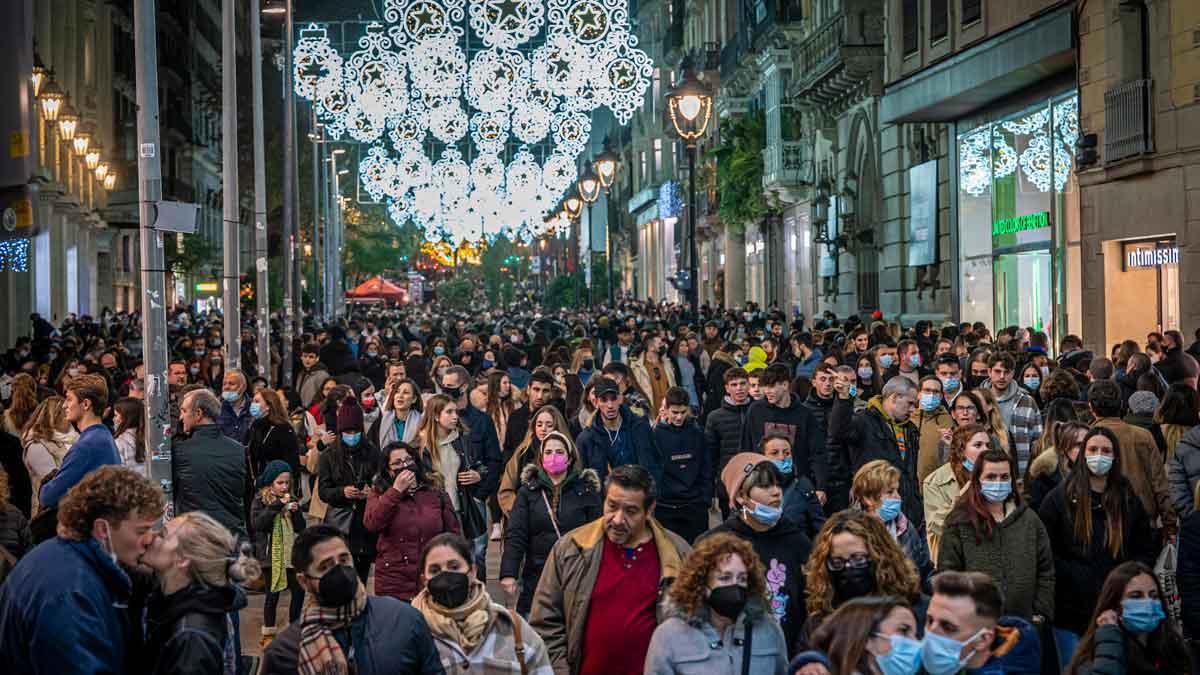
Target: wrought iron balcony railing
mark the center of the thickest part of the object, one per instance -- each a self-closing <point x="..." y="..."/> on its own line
<point x="1127" y="116"/>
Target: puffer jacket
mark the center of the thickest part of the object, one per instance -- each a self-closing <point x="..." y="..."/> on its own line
<point x="404" y="522"/>
<point x="859" y="438"/>
<point x="1017" y="556"/>
<point x="723" y="432"/>
<point x="687" y="469"/>
<point x="235" y="422"/>
<point x="688" y="644"/>
<point x="188" y="632"/>
<point x="1183" y="471"/>
<point x="531" y="531"/>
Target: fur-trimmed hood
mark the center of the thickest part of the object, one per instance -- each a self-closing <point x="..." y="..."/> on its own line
<point x="531" y="477"/>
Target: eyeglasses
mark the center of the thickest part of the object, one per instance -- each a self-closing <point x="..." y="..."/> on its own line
<point x="855" y="561"/>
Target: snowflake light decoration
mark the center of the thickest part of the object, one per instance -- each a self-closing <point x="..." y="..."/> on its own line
<point x="1045" y="161"/>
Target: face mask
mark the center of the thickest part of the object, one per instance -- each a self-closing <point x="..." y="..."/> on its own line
<point x="886" y="360"/>
<point x="728" y="601"/>
<point x="108" y="547"/>
<point x="195" y="370"/>
<point x="767" y="515"/>
<point x="853" y="582"/>
<point x="853" y="391"/>
<point x="741" y="360"/>
<point x="951" y="383"/>
<point x="1100" y="464"/>
<point x="338" y="587"/>
<point x="940" y="654"/>
<point x="368" y="402"/>
<point x="53" y="355"/>
<point x="995" y="492"/>
<point x="73" y="372"/>
<point x="904" y="659"/>
<point x="449" y="589"/>
<point x="784" y="466"/>
<point x="453" y="393"/>
<point x="890" y="509"/>
<point x="256" y="410"/>
<point x="488" y="365"/>
<point x="865" y="373"/>
<point x="914" y="360"/>
<point x="1142" y="615"/>
<point x="351" y="439"/>
<point x="439" y="350"/>
<point x="372" y="353"/>
<point x="230" y="396"/>
<point x="215" y="362"/>
<point x="555" y="464"/>
<point x="200" y="353"/>
<point x="930" y="402"/>
<point x="1032" y="383"/>
<point x="587" y="364"/>
<point x="968" y="465"/>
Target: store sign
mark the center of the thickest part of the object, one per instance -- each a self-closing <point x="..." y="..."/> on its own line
<point x="208" y="287"/>
<point x="1033" y="221"/>
<point x="1136" y="258"/>
<point x="922" y="214"/>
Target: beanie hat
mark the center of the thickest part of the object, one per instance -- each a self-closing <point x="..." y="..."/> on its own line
<point x="273" y="471"/>
<point x="756" y="359"/>
<point x="1143" y="403"/>
<point x="349" y="415"/>
<point x="736" y="470"/>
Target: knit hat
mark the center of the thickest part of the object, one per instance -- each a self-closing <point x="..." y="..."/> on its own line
<point x="1143" y="403"/>
<point x="273" y="470"/>
<point x="736" y="470"/>
<point x="349" y="415"/>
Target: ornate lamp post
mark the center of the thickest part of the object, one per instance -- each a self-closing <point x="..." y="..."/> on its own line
<point x="606" y="167"/>
<point x="589" y="192"/>
<point x="573" y="206"/>
<point x="689" y="106"/>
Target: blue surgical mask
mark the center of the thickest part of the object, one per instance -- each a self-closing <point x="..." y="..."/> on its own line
<point x="968" y="465"/>
<point x="930" y="402"/>
<point x="439" y="351"/>
<point x="853" y="391"/>
<point x="951" y="383"/>
<point x="256" y="410"/>
<point x="1100" y="464"/>
<point x="995" y="492"/>
<point x="865" y="373"/>
<point x="372" y="353"/>
<point x="784" y="466"/>
<point x="886" y="360"/>
<point x="351" y="439"/>
<point x="889" y="509"/>
<point x="767" y="515"/>
<point x="1142" y="615"/>
<point x="1032" y="383"/>
<point x="230" y="396"/>
<point x="914" y="360"/>
<point x="904" y="659"/>
<point x="741" y="360"/>
<point x="940" y="654"/>
<point x="488" y="365"/>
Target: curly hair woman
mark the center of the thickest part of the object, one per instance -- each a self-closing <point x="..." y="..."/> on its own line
<point x="719" y="619"/>
<point x="855" y="556"/>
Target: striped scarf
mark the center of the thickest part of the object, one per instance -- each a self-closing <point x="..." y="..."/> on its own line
<point x="320" y="653"/>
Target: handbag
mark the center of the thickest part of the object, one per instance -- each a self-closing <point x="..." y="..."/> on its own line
<point x="1164" y="569"/>
<point x="341" y="517"/>
<point x="470" y="515"/>
<point x="518" y="643"/>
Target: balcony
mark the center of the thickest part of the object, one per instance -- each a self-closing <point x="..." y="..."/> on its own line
<point x="1127" y="116"/>
<point x="732" y="53"/>
<point x="768" y="15"/>
<point x="787" y="165"/>
<point x="836" y="58"/>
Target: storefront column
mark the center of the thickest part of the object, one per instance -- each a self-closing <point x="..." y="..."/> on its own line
<point x="735" y="267"/>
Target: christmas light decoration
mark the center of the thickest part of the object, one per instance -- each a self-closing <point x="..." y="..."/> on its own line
<point x="987" y="155"/>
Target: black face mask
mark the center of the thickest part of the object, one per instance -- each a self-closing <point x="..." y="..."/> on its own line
<point x="449" y="589"/>
<point x="587" y="364"/>
<point x="453" y="393"/>
<point x="728" y="601"/>
<point x="853" y="582"/>
<point x="973" y="381"/>
<point x="338" y="587"/>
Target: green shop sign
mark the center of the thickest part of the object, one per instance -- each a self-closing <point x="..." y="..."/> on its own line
<point x="1033" y="221"/>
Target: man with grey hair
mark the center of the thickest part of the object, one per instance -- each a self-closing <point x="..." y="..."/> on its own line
<point x="209" y="468"/>
<point x="881" y="431"/>
<point x="235" y="419"/>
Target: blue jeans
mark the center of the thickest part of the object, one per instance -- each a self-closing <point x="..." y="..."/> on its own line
<point x="480" y="544"/>
<point x="1067" y="642"/>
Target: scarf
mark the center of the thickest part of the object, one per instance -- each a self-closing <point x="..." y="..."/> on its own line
<point x="283" y="535"/>
<point x="320" y="653"/>
<point x="465" y="625"/>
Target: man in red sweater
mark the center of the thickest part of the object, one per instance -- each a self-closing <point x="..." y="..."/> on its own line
<point x="597" y="602"/>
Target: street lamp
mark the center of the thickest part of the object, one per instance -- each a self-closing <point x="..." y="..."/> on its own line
<point x="589" y="192"/>
<point x="101" y="171"/>
<point x="51" y="98"/>
<point x="83" y="136"/>
<point x="689" y="106"/>
<point x="38" y="76"/>
<point x="68" y="121"/>
<point x="606" y="166"/>
<point x="92" y="159"/>
<point x="110" y="181"/>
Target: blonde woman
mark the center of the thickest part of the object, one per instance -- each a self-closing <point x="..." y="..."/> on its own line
<point x="21" y="405"/>
<point x="994" y="421"/>
<point x="46" y="439"/>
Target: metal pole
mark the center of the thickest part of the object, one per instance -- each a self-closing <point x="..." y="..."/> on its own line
<point x="262" y="296"/>
<point x="339" y="295"/>
<point x="154" y="311"/>
<point x="591" y="247"/>
<point x="608" y="248"/>
<point x="330" y="238"/>
<point x="290" y="313"/>
<point x="318" y="300"/>
<point x="232" y="242"/>
<point x="694" y="290"/>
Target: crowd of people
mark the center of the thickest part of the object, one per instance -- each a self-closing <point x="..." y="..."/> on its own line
<point x="735" y="492"/>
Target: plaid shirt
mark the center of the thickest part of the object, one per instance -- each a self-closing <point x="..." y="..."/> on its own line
<point x="1025" y="427"/>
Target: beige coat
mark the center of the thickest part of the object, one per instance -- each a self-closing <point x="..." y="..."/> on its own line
<point x="929" y="455"/>
<point x="642" y="376"/>
<point x="940" y="490"/>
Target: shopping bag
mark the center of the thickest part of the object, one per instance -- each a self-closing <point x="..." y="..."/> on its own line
<point x="1164" y="569"/>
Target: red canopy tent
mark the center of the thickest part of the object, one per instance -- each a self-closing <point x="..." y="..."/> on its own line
<point x="378" y="288"/>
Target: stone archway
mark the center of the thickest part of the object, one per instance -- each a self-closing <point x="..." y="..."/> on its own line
<point x="862" y="177"/>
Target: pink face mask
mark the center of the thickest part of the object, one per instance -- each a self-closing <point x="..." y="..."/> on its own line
<point x="555" y="464"/>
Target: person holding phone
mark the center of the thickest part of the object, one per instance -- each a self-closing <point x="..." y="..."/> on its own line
<point x="345" y="472"/>
<point x="276" y="518"/>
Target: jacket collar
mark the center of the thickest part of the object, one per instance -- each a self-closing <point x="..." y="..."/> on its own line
<point x="115" y="578"/>
<point x="206" y="431"/>
<point x="589" y="536"/>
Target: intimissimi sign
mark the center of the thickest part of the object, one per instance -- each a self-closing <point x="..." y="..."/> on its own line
<point x="1136" y="258"/>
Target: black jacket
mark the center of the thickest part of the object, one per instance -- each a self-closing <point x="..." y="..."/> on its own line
<point x="808" y="438"/>
<point x="530" y="533"/>
<point x="714" y="390"/>
<point x="1080" y="571"/>
<point x="783" y="549"/>
<point x="210" y="476"/>
<point x="687" y="468"/>
<point x="340" y="467"/>
<point x="858" y="438"/>
<point x="634" y="437"/>
<point x="723" y="432"/>
<point x="1188" y="573"/>
<point x="484" y="452"/>
<point x="374" y="369"/>
<point x="338" y="357"/>
<point x="187" y="632"/>
<point x="514" y="433"/>
<point x="270" y="442"/>
<point x="12" y="461"/>
<point x="262" y="519"/>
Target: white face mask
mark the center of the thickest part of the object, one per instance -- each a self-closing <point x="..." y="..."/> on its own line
<point x="106" y="543"/>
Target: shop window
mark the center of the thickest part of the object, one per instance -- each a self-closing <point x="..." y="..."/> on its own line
<point x="910" y="17"/>
<point x="972" y="11"/>
<point x="939" y="19"/>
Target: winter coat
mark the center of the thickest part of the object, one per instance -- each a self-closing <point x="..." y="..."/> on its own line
<point x="262" y="519"/>
<point x="1183" y="471"/>
<point x="688" y="475"/>
<point x="63" y="611"/>
<point x="930" y="425"/>
<point x="496" y="653"/>
<point x="390" y="637"/>
<point x="42" y="457"/>
<point x="1080" y="572"/>
<point x="783" y="549"/>
<point x="634" y="441"/>
<point x="809" y="454"/>
<point x="1017" y="556"/>
<point x="234" y="419"/>
<point x="1044" y="475"/>
<point x="383" y="431"/>
<point x="270" y="442"/>
<point x="189" y="631"/>
<point x="859" y="438"/>
<point x="210" y="476"/>
<point x="1188" y="573"/>
<point x="688" y="644"/>
<point x="337" y="356"/>
<point x="404" y="523"/>
<point x="532" y="533"/>
<point x="1142" y="466"/>
<point x="801" y="506"/>
<point x="340" y="467"/>
<point x="563" y="595"/>
<point x="714" y="395"/>
<point x="723" y="432"/>
<point x="641" y="375"/>
<point x="514" y="433"/>
<point x="1147" y="422"/>
<point x="308" y="383"/>
<point x="484" y="450"/>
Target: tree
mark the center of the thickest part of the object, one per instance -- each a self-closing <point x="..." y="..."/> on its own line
<point x="456" y="293"/>
<point x="196" y="255"/>
<point x="501" y="263"/>
<point x="740" y="170"/>
<point x="374" y="246"/>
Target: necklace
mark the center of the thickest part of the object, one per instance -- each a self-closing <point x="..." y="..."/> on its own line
<point x="612" y="437"/>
